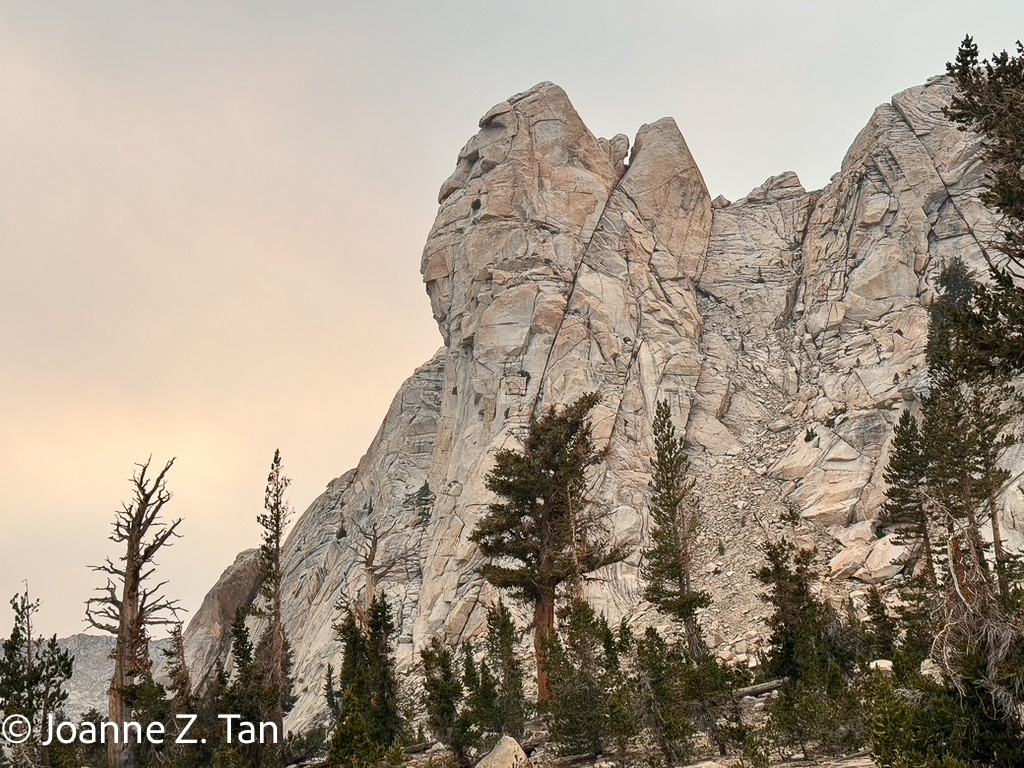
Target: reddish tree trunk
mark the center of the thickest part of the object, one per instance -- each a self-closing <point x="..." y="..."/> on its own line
<point x="544" y="627"/>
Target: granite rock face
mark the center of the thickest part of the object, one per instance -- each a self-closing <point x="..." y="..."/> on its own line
<point x="90" y="681"/>
<point x="208" y="635"/>
<point x="787" y="330"/>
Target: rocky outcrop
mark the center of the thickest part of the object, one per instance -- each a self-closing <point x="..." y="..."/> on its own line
<point x="786" y="329"/>
<point x="208" y="636"/>
<point x="506" y="754"/>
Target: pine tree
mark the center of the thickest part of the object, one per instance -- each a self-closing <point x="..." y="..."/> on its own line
<point x="664" y="701"/>
<point x="592" y="696"/>
<point x="330" y="691"/>
<point x="806" y="633"/>
<point x="354" y="673"/>
<point x="966" y="415"/>
<point x="481" y="708"/>
<point x="987" y="99"/>
<point x="34" y="673"/>
<point x="353" y="746"/>
<point x="905" y="508"/>
<point x="975" y="348"/>
<point x="443" y="700"/>
<point x="881" y="632"/>
<point x="546" y="531"/>
<point x="815" y="651"/>
<point x="367" y="685"/>
<point x="177" y="671"/>
<point x="384" y="711"/>
<point x="668" y="563"/>
<point x="245" y="693"/>
<point x="503" y="659"/>
<point x="275" y="654"/>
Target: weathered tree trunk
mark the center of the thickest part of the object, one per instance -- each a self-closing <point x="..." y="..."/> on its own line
<point x="277" y="675"/>
<point x="544" y="627"/>
<point x="929" y="556"/>
<point x="999" y="553"/>
<point x="125" y="657"/>
<point x="126" y="606"/>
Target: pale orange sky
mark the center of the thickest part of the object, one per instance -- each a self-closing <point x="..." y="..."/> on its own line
<point x="211" y="219"/>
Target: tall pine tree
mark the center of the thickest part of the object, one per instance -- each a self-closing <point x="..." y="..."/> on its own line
<point x="905" y="508"/>
<point x="366" y="702"/>
<point x="546" y="531"/>
<point x="669" y="562"/>
<point x="274" y="654"/>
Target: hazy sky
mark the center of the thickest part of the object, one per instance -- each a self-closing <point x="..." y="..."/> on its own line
<point x="211" y="218"/>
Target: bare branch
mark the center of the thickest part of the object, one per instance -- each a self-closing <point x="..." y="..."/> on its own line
<point x="124" y="607"/>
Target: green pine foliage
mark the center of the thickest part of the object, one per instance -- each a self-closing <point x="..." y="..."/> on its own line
<point x="180" y="688"/>
<point x="807" y="635"/>
<point x="904" y="509"/>
<point x="482" y="708"/>
<point x="352" y="744"/>
<point x="384" y="709"/>
<point x="243" y="693"/>
<point x="967" y="425"/>
<point x="668" y="562"/>
<point x="545" y="531"/>
<point x="330" y="691"/>
<point x="962" y="613"/>
<point x="932" y="725"/>
<point x="34" y="673"/>
<point x="472" y="711"/>
<point x="366" y="699"/>
<point x="816" y="652"/>
<point x="444" y="692"/>
<point x="592" y="705"/>
<point x="881" y="633"/>
<point x="503" y="660"/>
<point x="665" y="700"/>
<point x="987" y="100"/>
<point x="687" y="685"/>
<point x="272" y="650"/>
<point x="354" y="673"/>
<point x="304" y="747"/>
<point x="259" y="686"/>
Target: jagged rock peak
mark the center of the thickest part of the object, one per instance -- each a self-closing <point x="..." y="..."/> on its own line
<point x="785" y="186"/>
<point x="787" y="330"/>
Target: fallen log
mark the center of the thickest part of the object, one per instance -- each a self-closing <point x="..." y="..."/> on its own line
<point x="760" y="689"/>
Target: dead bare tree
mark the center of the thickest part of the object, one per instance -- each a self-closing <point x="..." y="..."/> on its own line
<point x="127" y="604"/>
<point x="377" y="564"/>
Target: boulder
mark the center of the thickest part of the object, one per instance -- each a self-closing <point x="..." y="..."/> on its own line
<point x="506" y="754"/>
<point x="884" y="560"/>
<point x="857" y="534"/>
<point x="883" y="666"/>
<point x="849" y="561"/>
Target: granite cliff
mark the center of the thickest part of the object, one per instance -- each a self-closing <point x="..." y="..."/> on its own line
<point x="787" y="329"/>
